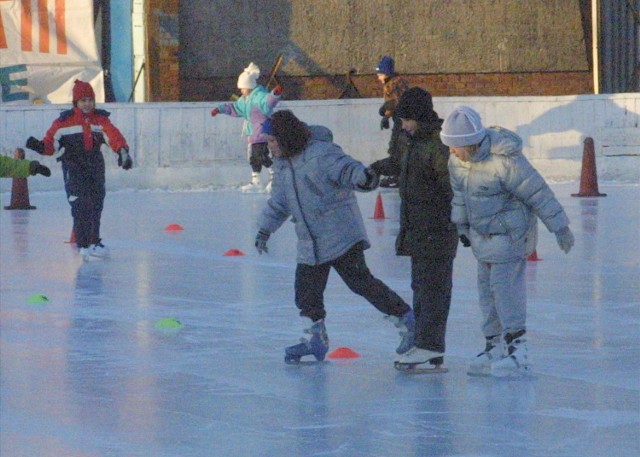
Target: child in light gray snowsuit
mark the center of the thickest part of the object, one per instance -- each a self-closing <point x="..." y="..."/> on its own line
<point x="497" y="198"/>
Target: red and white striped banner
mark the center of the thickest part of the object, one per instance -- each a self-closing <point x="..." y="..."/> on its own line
<point x="45" y="45"/>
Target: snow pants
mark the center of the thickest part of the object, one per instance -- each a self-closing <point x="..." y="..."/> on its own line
<point x="431" y="282"/>
<point x="503" y="297"/>
<point x="84" y="183"/>
<point x="259" y="157"/>
<point x="311" y="281"/>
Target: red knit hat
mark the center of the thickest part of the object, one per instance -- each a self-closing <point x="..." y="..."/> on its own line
<point x="82" y="89"/>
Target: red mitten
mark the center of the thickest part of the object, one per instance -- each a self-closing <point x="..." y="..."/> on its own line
<point x="277" y="91"/>
<point x="215" y="112"/>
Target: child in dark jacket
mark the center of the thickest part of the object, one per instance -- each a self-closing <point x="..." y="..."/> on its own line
<point x="426" y="232"/>
<point x="393" y="86"/>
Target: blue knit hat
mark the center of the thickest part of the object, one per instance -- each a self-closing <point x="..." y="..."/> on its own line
<point x="462" y="127"/>
<point x="267" y="127"/>
<point x="386" y="66"/>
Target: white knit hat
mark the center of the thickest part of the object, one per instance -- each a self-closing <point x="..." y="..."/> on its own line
<point x="248" y="78"/>
<point x="462" y="127"/>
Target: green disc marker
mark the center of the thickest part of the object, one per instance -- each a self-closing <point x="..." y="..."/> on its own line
<point x="38" y="298"/>
<point x="168" y="323"/>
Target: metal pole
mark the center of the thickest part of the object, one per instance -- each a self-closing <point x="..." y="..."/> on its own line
<point x="595" y="32"/>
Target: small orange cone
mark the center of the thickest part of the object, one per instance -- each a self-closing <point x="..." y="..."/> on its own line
<point x="72" y="238"/>
<point x="378" y="212"/>
<point x="533" y="257"/>
<point x="173" y="228"/>
<point x="233" y="252"/>
<point x="343" y="353"/>
<point x="589" y="176"/>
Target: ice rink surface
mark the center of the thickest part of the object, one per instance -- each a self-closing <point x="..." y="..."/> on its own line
<point x="87" y="372"/>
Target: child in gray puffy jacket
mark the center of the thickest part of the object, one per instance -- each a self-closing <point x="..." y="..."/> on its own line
<point x="497" y="198"/>
<point x="314" y="184"/>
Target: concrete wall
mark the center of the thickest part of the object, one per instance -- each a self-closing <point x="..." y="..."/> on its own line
<point x="179" y="145"/>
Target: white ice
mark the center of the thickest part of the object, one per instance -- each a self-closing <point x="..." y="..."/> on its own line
<point x="87" y="373"/>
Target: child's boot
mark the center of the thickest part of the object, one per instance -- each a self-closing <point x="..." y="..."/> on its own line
<point x="254" y="185"/>
<point x="481" y="364"/>
<point x="315" y="344"/>
<point x="515" y="358"/>
<point x="406" y="326"/>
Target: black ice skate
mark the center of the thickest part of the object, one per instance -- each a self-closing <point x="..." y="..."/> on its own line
<point x="419" y="361"/>
<point x="317" y="345"/>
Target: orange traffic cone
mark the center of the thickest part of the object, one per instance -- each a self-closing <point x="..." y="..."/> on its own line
<point x="19" y="195"/>
<point x="343" y="353"/>
<point x="533" y="257"/>
<point x="589" y="176"/>
<point x="72" y="238"/>
<point x="19" y="188"/>
<point x="378" y="212"/>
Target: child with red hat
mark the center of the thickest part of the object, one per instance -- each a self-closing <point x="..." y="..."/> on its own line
<point x="78" y="134"/>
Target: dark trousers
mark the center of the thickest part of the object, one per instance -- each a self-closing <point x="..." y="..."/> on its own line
<point x="259" y="157"/>
<point x="431" y="281"/>
<point x="84" y="183"/>
<point x="311" y="281"/>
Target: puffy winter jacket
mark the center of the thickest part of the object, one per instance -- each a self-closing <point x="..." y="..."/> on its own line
<point x="81" y="135"/>
<point x="14" y="168"/>
<point x="316" y="189"/>
<point x="497" y="195"/>
<point x="255" y="108"/>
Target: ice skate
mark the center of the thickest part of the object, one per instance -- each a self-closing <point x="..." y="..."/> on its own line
<point x="417" y="361"/>
<point x="254" y="186"/>
<point x="481" y="364"/>
<point x="514" y="360"/>
<point x="100" y="250"/>
<point x="95" y="252"/>
<point x="317" y="345"/>
<point x="269" y="186"/>
<point x="406" y="326"/>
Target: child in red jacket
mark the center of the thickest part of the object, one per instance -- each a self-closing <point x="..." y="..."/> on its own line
<point x="78" y="135"/>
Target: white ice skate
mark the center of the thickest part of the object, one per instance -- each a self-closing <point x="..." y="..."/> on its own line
<point x="95" y="252"/>
<point x="100" y="250"/>
<point x="417" y="360"/>
<point x="269" y="186"/>
<point x="515" y="358"/>
<point x="481" y="364"/>
<point x="254" y="186"/>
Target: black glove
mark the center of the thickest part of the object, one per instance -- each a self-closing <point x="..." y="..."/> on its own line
<point x="377" y="166"/>
<point x="261" y="241"/>
<point x="465" y="241"/>
<point x="124" y="159"/>
<point x="371" y="180"/>
<point x="384" y="123"/>
<point x="35" y="145"/>
<point x="35" y="168"/>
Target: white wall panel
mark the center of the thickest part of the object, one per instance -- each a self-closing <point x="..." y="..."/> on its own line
<point x="174" y="141"/>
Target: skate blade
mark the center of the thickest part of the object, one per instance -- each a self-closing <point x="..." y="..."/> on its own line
<point x="409" y="368"/>
<point x="305" y="363"/>
<point x="478" y="374"/>
<point x="512" y="374"/>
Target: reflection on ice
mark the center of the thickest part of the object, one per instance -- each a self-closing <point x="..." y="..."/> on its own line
<point x="89" y="372"/>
